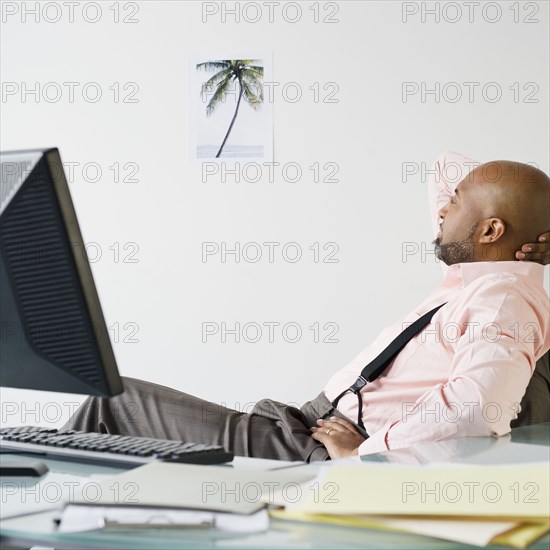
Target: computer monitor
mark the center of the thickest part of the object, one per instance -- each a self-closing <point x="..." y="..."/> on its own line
<point x="53" y="334"/>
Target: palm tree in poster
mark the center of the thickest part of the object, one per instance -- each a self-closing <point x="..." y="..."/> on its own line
<point x="245" y="72"/>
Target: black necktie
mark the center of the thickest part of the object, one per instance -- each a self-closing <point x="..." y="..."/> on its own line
<point x="379" y="364"/>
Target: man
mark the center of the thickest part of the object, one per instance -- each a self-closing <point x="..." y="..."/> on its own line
<point x="463" y="374"/>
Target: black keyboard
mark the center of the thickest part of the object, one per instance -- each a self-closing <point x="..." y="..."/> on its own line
<point x="107" y="449"/>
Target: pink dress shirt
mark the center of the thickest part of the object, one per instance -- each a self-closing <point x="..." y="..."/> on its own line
<point x="466" y="372"/>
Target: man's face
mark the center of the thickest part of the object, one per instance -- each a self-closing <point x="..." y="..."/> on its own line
<point x="458" y="222"/>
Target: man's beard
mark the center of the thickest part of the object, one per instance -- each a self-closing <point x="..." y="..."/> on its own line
<point x="456" y="252"/>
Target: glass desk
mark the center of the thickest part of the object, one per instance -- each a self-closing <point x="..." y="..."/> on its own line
<point x="42" y="505"/>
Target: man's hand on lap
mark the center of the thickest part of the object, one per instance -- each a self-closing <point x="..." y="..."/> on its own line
<point x="339" y="437"/>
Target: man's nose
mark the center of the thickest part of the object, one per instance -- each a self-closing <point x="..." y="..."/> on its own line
<point x="443" y="211"/>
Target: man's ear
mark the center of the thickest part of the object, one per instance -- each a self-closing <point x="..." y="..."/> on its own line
<point x="491" y="230"/>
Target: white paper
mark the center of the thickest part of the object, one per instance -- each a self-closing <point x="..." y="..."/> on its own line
<point x="194" y="487"/>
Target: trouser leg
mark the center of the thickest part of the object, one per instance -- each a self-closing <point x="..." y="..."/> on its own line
<point x="272" y="429"/>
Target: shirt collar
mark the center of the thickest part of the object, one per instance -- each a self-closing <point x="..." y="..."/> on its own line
<point x="468" y="272"/>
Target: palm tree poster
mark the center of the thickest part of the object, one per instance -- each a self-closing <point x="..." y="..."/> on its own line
<point x="233" y="115"/>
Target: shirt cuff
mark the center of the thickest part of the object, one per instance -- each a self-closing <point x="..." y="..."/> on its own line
<point x="376" y="443"/>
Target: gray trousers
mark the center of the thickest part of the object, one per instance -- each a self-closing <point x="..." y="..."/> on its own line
<point x="271" y="430"/>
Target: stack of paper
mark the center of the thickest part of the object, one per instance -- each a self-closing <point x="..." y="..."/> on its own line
<point x="181" y="495"/>
<point x="468" y="504"/>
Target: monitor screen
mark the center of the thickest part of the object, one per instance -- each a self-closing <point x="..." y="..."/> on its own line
<point x="53" y="334"/>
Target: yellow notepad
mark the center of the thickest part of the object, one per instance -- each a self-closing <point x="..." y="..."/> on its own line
<point x="511" y="493"/>
<point x="477" y="505"/>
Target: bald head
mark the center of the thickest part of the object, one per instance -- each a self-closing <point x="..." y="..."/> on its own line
<point x="498" y="207"/>
<point x="517" y="193"/>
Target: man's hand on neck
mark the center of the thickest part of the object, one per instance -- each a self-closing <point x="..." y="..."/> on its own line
<point x="536" y="252"/>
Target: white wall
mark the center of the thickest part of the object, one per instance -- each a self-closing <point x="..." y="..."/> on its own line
<point x="370" y="132"/>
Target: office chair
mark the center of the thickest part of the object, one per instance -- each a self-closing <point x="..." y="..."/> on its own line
<point x="535" y="405"/>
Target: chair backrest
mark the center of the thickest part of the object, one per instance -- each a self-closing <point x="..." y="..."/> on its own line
<point x="535" y="405"/>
